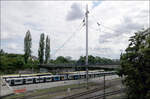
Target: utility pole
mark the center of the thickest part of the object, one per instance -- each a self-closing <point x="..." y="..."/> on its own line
<point x="104" y="87"/>
<point x="86" y="14"/>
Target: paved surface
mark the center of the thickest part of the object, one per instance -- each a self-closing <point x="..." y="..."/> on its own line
<point x="4" y="88"/>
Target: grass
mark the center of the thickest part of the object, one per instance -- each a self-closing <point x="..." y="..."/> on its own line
<point x="14" y="96"/>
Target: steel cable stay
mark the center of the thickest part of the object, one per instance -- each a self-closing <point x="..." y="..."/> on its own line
<point x="70" y="37"/>
<point x="83" y="24"/>
<point x="99" y="23"/>
<point x="101" y="32"/>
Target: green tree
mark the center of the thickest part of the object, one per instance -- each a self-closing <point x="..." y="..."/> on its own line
<point x="41" y="49"/>
<point x="27" y="46"/>
<point x="9" y="63"/>
<point x="91" y="60"/>
<point x="135" y="66"/>
<point x="81" y="60"/>
<point x="61" y="59"/>
<point x="1" y="52"/>
<point x="47" y="50"/>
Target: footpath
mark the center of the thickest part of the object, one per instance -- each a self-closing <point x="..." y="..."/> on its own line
<point x="5" y="89"/>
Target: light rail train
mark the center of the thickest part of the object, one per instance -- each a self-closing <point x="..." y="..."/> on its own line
<point x="52" y="78"/>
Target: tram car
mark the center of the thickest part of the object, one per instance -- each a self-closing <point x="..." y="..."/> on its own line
<point x="73" y="76"/>
<point x="91" y="75"/>
<point x="59" y="77"/>
<point x="47" y="78"/>
<point x="82" y="75"/>
<point x="56" y="78"/>
<point x="15" y="81"/>
<point x="38" y="79"/>
<point x="28" y="80"/>
<point x="63" y="77"/>
<point x="8" y="81"/>
<point x="97" y="74"/>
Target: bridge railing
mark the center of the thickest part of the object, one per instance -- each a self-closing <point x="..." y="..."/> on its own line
<point x="78" y="65"/>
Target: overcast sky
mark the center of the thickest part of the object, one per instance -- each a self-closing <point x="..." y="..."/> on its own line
<point x="111" y="23"/>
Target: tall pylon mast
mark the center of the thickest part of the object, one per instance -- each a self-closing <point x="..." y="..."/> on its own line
<point x="86" y="14"/>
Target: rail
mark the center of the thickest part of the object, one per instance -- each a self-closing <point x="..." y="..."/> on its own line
<point x="101" y="96"/>
<point x="75" y="96"/>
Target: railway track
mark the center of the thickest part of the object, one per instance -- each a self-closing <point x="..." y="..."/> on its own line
<point x="81" y="94"/>
<point x="101" y="96"/>
<point x="76" y="96"/>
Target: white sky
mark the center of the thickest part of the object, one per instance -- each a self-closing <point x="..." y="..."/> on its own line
<point x="62" y="20"/>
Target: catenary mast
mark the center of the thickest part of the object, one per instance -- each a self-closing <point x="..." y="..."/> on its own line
<point x="86" y="14"/>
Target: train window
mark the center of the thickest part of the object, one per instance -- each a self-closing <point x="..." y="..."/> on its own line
<point x="29" y="79"/>
<point x="17" y="80"/>
<point x="48" y="78"/>
<point x="38" y="78"/>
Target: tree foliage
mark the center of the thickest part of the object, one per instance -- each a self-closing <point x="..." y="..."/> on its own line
<point x="135" y="66"/>
<point x="47" y="50"/>
<point x="12" y="63"/>
<point x="81" y="61"/>
<point x="27" y="46"/>
<point x="9" y="63"/>
<point x="61" y="59"/>
<point x="41" y="49"/>
<point x="96" y="60"/>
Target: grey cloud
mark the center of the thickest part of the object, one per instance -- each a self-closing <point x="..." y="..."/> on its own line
<point x="107" y="54"/>
<point x="34" y="26"/>
<point x="102" y="49"/>
<point x="145" y="14"/>
<point x="103" y="40"/>
<point x="127" y="26"/>
<point x="75" y="13"/>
